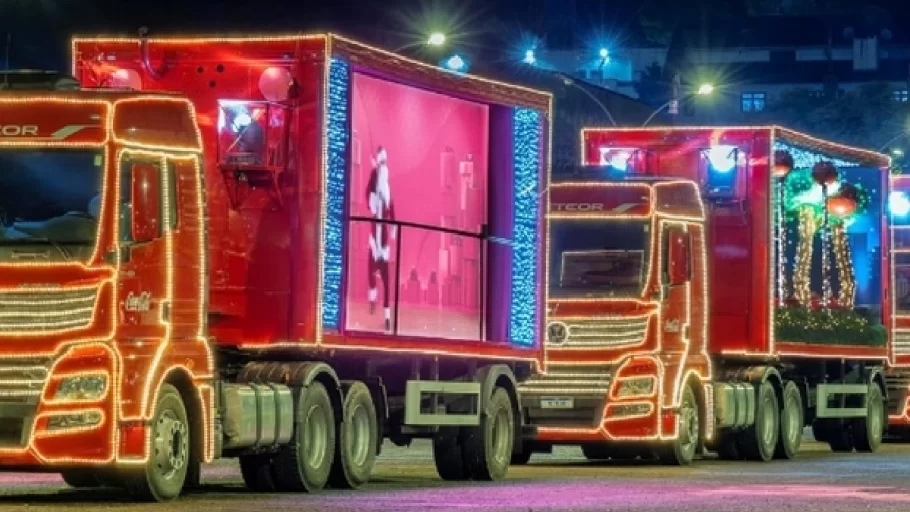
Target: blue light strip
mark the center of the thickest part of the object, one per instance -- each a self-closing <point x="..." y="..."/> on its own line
<point x="805" y="159"/>
<point x="526" y="143"/>
<point x="335" y="181"/>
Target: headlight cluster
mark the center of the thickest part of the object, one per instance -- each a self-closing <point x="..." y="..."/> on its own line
<point x="90" y="387"/>
<point x="636" y="387"/>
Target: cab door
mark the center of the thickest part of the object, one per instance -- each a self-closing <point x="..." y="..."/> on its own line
<point x="676" y="277"/>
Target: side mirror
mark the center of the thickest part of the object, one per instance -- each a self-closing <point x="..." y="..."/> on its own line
<point x="678" y="271"/>
<point x="146" y="202"/>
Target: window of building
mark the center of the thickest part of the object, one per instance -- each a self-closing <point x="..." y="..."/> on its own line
<point x="900" y="95"/>
<point x="753" y="101"/>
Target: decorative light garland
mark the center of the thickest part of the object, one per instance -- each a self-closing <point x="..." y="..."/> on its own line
<point x="847" y="281"/>
<point x="802" y="278"/>
<point x="335" y="193"/>
<point x="525" y="298"/>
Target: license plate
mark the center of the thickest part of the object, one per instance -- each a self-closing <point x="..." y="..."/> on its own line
<point x="557" y="403"/>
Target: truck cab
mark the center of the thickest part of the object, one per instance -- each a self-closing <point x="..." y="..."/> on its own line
<point x="626" y="322"/>
<point x="89" y="291"/>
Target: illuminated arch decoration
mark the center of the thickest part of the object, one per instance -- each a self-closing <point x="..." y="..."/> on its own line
<point x="336" y="155"/>
<point x="527" y="150"/>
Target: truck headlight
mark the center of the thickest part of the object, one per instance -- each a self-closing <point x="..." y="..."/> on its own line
<point x="87" y="419"/>
<point x="91" y="387"/>
<point x="557" y="333"/>
<point x="636" y="387"/>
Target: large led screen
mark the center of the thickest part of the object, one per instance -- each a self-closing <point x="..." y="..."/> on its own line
<point x="419" y="161"/>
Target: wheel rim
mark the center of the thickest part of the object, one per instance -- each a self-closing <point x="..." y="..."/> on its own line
<point x="688" y="432"/>
<point x="767" y="421"/>
<point x="316" y="437"/>
<point x="876" y="421"/>
<point x="171" y="444"/>
<point x="501" y="436"/>
<point x="360" y="435"/>
<point x="791" y="425"/>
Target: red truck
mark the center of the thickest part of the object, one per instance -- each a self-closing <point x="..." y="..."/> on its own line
<point x="313" y="246"/>
<point x="716" y="288"/>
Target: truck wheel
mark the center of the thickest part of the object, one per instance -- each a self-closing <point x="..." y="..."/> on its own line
<point x="355" y="451"/>
<point x="727" y="445"/>
<point x="304" y="465"/>
<point x="448" y="454"/>
<point x="522" y="459"/>
<point x="760" y="440"/>
<point x="869" y="431"/>
<point x="256" y="471"/>
<point x="681" y="451"/>
<point x="164" y="474"/>
<point x="488" y="447"/>
<point x="836" y="432"/>
<point x="80" y="479"/>
<point x="791" y="423"/>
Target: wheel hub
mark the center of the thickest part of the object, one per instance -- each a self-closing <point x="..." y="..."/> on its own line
<point x="171" y="444"/>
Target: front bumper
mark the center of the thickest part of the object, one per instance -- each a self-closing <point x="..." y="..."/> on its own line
<point x="39" y="428"/>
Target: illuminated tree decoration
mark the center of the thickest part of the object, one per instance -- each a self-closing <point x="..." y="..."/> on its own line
<point x="527" y="146"/>
<point x="336" y="164"/>
<point x="802" y="283"/>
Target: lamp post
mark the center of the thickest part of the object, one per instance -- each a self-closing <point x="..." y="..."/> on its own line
<point x="571" y="83"/>
<point x="673" y="104"/>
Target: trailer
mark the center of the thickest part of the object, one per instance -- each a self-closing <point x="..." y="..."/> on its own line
<point x="715" y="288"/>
<point x="899" y="368"/>
<point x="298" y="247"/>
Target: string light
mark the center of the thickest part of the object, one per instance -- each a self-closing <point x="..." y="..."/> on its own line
<point x="802" y="278"/>
<point x="335" y="194"/>
<point x="525" y="298"/>
<point x="847" y="282"/>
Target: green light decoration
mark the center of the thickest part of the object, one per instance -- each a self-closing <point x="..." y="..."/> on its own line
<point x="828" y="327"/>
<point x="802" y="192"/>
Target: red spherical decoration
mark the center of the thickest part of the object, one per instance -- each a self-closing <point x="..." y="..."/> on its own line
<point x="824" y="173"/>
<point x="783" y="163"/>
<point x="848" y="191"/>
<point x="275" y="83"/>
<point x="841" y="206"/>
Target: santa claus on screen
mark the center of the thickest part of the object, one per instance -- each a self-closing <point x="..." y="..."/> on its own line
<point x="379" y="199"/>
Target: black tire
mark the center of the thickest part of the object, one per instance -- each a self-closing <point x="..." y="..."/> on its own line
<point x="256" y="471"/>
<point x="80" y="479"/>
<point x="164" y="474"/>
<point x="869" y="431"/>
<point x="727" y="446"/>
<point x="304" y="464"/>
<point x="760" y="440"/>
<point x="839" y="435"/>
<point x="488" y="447"/>
<point x="681" y="451"/>
<point x="358" y="434"/>
<point x="792" y="423"/>
<point x="448" y="455"/>
<point x="522" y="458"/>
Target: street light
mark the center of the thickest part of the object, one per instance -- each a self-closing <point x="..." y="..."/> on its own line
<point x="571" y="83"/>
<point x="705" y="89"/>
<point x="436" y="39"/>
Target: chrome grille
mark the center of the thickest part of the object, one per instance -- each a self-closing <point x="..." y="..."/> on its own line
<point x="901" y="342"/>
<point x="570" y="381"/>
<point x="22" y="379"/>
<point x="41" y="311"/>
<point x="604" y="333"/>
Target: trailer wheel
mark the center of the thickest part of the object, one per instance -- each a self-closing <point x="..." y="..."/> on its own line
<point x="164" y="474"/>
<point x="304" y="465"/>
<point x="791" y="423"/>
<point x="256" y="471"/>
<point x="760" y="440"/>
<point x="488" y="447"/>
<point x="448" y="455"/>
<point x="681" y="451"/>
<point x="358" y="434"/>
<point x="80" y="479"/>
<point x="727" y="445"/>
<point x="869" y="431"/>
<point x="522" y="459"/>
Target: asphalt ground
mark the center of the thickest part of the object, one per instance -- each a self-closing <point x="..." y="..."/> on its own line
<point x="405" y="480"/>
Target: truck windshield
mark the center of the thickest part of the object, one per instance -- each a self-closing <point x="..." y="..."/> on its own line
<point x="49" y="203"/>
<point x="594" y="258"/>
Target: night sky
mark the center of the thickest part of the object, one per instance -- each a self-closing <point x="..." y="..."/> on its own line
<point x="40" y="29"/>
